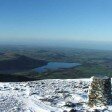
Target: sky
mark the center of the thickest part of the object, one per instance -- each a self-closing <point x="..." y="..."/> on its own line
<point x="56" y="22"/>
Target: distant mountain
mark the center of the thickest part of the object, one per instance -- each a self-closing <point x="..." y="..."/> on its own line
<point x="12" y="61"/>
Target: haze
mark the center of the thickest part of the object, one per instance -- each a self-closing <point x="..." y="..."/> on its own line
<point x="66" y="23"/>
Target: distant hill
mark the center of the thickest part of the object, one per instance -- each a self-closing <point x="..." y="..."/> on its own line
<point x="12" y="61"/>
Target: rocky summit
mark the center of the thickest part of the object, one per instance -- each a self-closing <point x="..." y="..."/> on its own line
<point x="51" y="95"/>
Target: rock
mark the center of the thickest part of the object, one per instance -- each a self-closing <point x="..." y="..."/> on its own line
<point x="72" y="110"/>
<point x="99" y="91"/>
<point x="105" y="110"/>
<point x="65" y="111"/>
<point x="96" y="110"/>
<point x="70" y="104"/>
<point x="16" y="88"/>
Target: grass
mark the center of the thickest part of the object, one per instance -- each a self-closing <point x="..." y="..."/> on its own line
<point x="94" y="62"/>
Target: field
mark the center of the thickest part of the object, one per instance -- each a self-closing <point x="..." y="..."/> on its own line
<point x="93" y="62"/>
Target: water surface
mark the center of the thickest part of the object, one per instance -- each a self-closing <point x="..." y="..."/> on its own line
<point x="56" y="66"/>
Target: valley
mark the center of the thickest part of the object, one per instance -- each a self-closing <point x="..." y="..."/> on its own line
<point x="21" y="61"/>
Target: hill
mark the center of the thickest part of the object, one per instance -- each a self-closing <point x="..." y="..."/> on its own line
<point x="16" y="62"/>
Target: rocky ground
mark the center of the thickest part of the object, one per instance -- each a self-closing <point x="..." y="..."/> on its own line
<point x="70" y="95"/>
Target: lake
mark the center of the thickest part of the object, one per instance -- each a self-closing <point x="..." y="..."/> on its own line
<point x="55" y="66"/>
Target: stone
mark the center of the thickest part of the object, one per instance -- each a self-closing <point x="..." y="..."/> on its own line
<point x="72" y="110"/>
<point x="96" y="110"/>
<point x="99" y="93"/>
<point x="70" y="104"/>
<point x="65" y="111"/>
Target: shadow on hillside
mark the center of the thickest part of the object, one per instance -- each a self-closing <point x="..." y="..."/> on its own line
<point x="14" y="78"/>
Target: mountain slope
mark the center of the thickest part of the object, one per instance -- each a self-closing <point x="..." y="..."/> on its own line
<point x="19" y="62"/>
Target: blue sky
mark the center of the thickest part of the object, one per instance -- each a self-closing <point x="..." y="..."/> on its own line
<point x="53" y="21"/>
